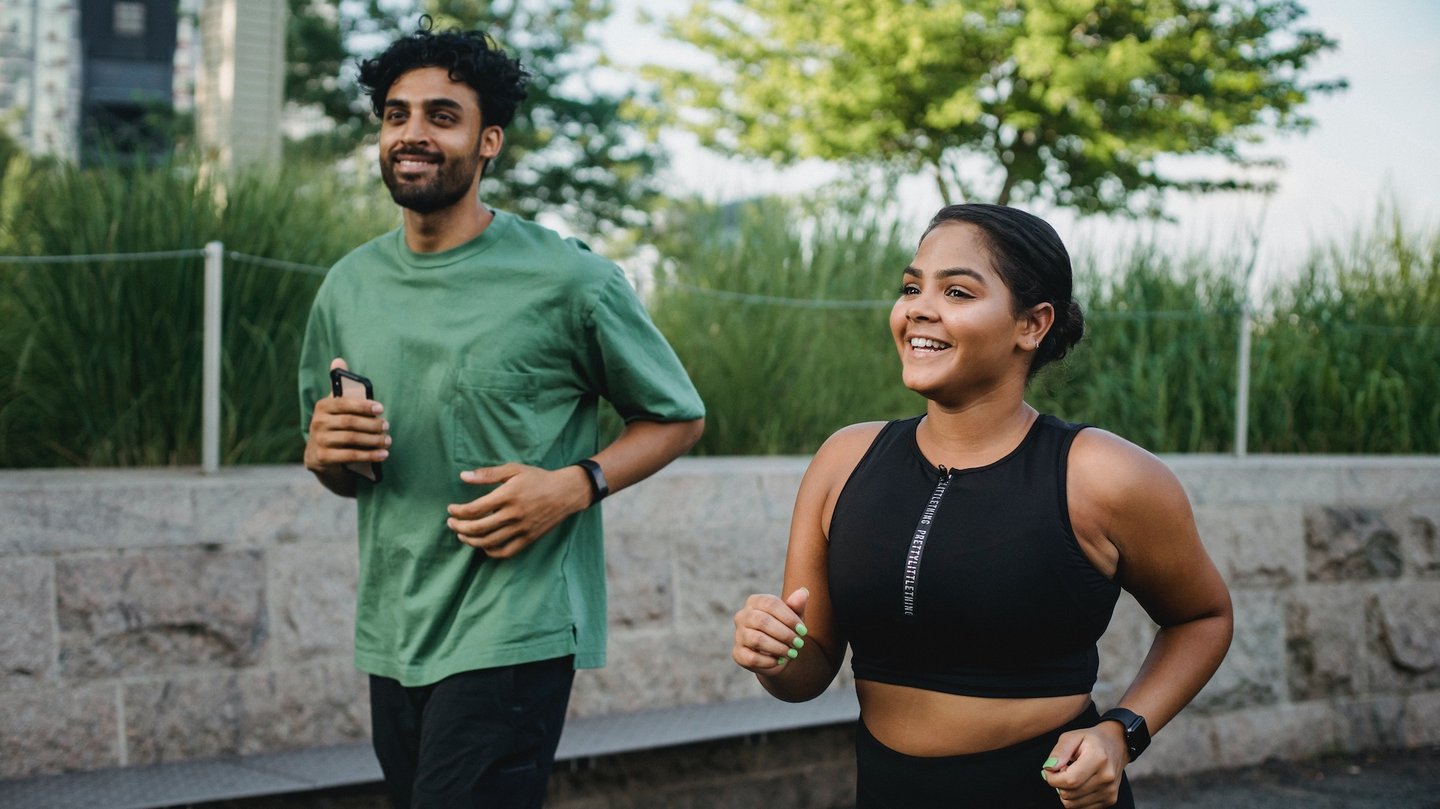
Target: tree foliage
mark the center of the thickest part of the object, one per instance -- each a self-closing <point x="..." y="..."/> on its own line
<point x="571" y="150"/>
<point x="315" y="62"/>
<point x="1075" y="102"/>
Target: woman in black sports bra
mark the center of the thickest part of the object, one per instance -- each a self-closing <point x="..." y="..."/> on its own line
<point x="971" y="557"/>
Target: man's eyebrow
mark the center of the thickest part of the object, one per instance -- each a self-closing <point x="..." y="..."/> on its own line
<point x="429" y="103"/>
<point x="949" y="272"/>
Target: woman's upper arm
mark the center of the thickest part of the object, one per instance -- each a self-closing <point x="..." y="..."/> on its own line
<point x="1123" y="497"/>
<point x="807" y="556"/>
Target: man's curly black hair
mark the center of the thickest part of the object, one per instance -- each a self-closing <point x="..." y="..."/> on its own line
<point x="472" y="58"/>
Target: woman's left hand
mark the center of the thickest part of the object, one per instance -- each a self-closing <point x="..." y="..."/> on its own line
<point x="1085" y="766"/>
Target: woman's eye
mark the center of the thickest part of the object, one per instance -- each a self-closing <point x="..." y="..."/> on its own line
<point x="958" y="292"/>
<point x="909" y="289"/>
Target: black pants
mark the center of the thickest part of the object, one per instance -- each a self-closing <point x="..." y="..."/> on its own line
<point x="1008" y="778"/>
<point x="477" y="740"/>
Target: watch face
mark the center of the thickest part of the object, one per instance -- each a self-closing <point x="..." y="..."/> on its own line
<point x="1137" y="733"/>
<point x="1137" y="737"/>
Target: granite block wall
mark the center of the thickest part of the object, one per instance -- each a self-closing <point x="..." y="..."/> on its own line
<point x="159" y="615"/>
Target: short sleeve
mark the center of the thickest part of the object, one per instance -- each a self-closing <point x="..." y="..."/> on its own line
<point x="629" y="362"/>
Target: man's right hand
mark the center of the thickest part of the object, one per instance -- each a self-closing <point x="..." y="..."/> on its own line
<point x="345" y="430"/>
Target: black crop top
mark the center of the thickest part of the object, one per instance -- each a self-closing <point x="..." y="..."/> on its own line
<point x="969" y="581"/>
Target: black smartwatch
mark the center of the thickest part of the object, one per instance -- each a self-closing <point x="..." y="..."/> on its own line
<point x="598" y="485"/>
<point x="1137" y="734"/>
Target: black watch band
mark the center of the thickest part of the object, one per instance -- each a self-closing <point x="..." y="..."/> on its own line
<point x="1137" y="733"/>
<point x="598" y="484"/>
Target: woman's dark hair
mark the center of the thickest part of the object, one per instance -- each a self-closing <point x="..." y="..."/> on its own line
<point x="472" y="58"/>
<point x="1034" y="264"/>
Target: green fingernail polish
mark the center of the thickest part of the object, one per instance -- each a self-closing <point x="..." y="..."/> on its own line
<point x="793" y="654"/>
<point x="799" y="643"/>
<point x="800" y="630"/>
<point x="780" y="661"/>
<point x="1051" y="762"/>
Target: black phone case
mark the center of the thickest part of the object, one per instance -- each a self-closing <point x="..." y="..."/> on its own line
<point x="337" y="388"/>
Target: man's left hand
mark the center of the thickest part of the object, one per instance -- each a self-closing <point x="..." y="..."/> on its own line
<point x="528" y="502"/>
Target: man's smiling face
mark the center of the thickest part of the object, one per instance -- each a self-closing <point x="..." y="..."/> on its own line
<point x="433" y="141"/>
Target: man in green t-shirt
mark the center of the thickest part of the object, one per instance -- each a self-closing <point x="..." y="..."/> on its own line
<point x="490" y="341"/>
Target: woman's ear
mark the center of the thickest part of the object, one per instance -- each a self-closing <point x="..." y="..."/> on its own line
<point x="1034" y="323"/>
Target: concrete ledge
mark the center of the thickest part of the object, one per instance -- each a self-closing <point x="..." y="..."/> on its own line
<point x="306" y="769"/>
<point x="186" y="782"/>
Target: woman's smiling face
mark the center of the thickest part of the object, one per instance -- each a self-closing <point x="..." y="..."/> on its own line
<point x="955" y="323"/>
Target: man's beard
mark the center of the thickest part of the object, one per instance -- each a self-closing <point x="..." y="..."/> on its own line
<point x="450" y="184"/>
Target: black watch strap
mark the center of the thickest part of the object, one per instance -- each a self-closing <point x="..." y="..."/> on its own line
<point x="1137" y="733"/>
<point x="598" y="485"/>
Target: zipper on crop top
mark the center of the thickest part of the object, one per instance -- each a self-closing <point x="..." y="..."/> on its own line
<point x="917" y="544"/>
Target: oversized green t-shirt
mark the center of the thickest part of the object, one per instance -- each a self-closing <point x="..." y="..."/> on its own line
<point x="492" y="352"/>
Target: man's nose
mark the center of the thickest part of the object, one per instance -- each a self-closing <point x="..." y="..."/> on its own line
<point x="415" y="130"/>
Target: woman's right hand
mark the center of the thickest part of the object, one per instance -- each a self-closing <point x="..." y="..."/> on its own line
<point x="770" y="631"/>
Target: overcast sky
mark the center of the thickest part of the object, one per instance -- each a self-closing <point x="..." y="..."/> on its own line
<point x="1377" y="141"/>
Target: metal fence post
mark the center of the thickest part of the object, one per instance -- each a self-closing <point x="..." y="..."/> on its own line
<point x="1242" y="382"/>
<point x="210" y="380"/>
<point x="1247" y="320"/>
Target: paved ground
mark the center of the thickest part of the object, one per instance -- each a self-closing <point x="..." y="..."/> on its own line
<point x="1402" y="780"/>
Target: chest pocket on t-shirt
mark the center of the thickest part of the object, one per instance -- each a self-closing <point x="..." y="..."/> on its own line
<point x="493" y="418"/>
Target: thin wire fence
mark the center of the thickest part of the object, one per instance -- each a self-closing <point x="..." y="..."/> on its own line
<point x="275" y="263"/>
<point x="163" y="255"/>
<point x="216" y="255"/>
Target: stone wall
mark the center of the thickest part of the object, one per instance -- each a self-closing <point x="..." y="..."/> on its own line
<point x="152" y="616"/>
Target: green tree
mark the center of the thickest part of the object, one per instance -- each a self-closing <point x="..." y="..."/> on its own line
<point x="573" y="148"/>
<point x="1074" y="102"/>
<point x="315" y="72"/>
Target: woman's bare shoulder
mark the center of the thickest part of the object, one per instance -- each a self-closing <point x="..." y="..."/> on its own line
<point x="846" y="445"/>
<point x="1113" y="467"/>
<point x="1122" y="492"/>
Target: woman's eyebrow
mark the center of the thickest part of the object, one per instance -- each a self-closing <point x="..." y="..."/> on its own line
<point x="948" y="272"/>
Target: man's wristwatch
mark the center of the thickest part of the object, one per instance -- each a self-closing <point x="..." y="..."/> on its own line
<point x="1137" y="734"/>
<point x="598" y="485"/>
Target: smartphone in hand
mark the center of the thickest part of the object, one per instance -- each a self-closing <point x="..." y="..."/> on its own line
<point x="343" y="383"/>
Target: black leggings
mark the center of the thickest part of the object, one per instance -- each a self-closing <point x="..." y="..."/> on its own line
<point x="1008" y="778"/>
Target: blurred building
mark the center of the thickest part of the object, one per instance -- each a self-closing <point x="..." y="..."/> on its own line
<point x="40" y="80"/>
<point x="241" y="86"/>
<point x="81" y="76"/>
<point x="128" y="76"/>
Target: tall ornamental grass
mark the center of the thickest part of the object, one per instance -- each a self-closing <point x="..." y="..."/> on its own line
<point x="1347" y="356"/>
<point x="102" y="359"/>
<point x="777" y="308"/>
<point x="1157" y="363"/>
<point x="1344" y="354"/>
<point x="759" y="300"/>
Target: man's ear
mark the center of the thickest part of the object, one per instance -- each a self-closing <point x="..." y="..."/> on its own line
<point x="491" y="139"/>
